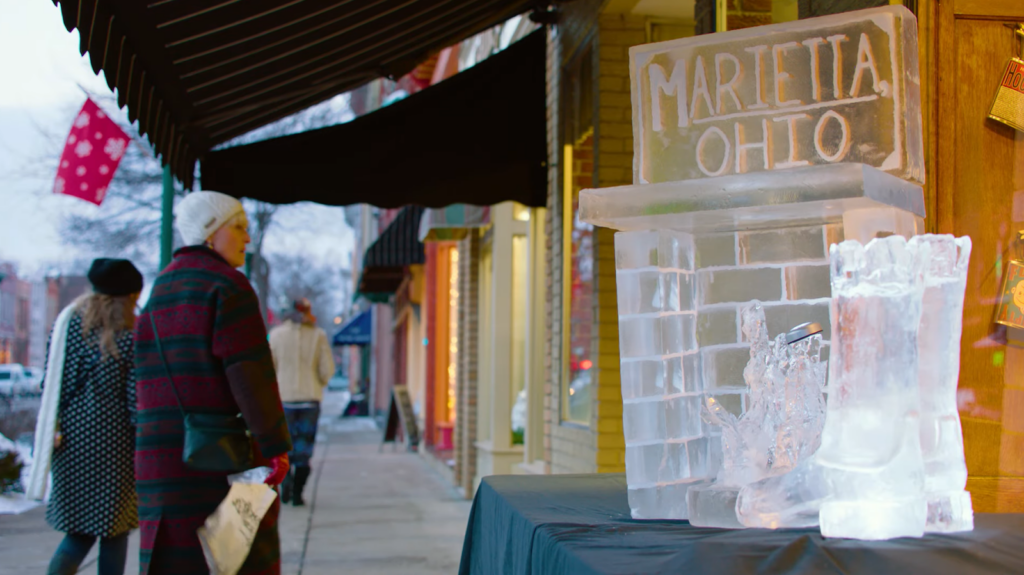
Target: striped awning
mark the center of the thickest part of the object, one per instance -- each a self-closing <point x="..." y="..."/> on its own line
<point x="195" y="73"/>
<point x="452" y="222"/>
<point x="386" y="260"/>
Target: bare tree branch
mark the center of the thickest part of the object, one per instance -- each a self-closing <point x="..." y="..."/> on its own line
<point x="297" y="277"/>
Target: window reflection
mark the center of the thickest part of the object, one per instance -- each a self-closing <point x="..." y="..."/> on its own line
<point x="578" y="394"/>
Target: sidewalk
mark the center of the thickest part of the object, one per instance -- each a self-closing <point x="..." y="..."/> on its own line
<point x="367" y="512"/>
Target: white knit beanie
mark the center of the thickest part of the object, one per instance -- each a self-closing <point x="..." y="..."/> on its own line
<point x="201" y="214"/>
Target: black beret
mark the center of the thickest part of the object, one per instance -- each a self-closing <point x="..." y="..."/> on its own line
<point x="114" y="277"/>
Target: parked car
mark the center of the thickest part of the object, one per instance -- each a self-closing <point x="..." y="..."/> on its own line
<point x="11" y="376"/>
<point x="31" y="383"/>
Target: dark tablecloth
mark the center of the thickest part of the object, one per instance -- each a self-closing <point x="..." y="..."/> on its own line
<point x="580" y="524"/>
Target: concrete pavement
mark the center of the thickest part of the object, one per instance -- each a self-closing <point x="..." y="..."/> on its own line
<point x="367" y="512"/>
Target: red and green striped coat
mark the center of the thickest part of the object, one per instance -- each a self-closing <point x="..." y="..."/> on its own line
<point x="210" y="326"/>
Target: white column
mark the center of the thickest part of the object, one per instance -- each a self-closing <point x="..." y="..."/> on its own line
<point x="535" y="373"/>
<point x="501" y="326"/>
<point x="495" y="452"/>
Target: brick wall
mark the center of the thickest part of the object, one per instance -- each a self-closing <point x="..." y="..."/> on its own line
<point x="610" y="444"/>
<point x="615" y="115"/>
<point x="614" y="161"/>
<point x="464" y="434"/>
<point x="568" y="448"/>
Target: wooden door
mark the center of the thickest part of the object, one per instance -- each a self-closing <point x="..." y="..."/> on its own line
<point x="976" y="188"/>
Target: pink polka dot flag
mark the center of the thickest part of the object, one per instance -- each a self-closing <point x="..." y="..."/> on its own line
<point x="92" y="152"/>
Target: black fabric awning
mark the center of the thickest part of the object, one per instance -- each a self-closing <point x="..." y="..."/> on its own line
<point x="478" y="137"/>
<point x="397" y="247"/>
<point x="196" y="73"/>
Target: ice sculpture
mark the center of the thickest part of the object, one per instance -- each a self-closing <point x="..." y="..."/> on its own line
<point x="667" y="447"/>
<point x="869" y="479"/>
<point x="754" y="150"/>
<point x="938" y="344"/>
<point x="782" y="423"/>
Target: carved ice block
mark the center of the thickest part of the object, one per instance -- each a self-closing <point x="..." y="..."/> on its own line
<point x="689" y="255"/>
<point x="667" y="447"/>
<point x="841" y="88"/>
<point x="780" y="428"/>
<point x="870" y="448"/>
<point x="867" y="479"/>
<point x="938" y="343"/>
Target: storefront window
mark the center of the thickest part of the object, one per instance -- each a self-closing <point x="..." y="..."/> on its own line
<point x="578" y="256"/>
<point x="785" y="11"/>
<point x="453" y="330"/>
<point x="580" y="398"/>
<point x="990" y="209"/>
<point x="664" y="29"/>
<point x="519" y="316"/>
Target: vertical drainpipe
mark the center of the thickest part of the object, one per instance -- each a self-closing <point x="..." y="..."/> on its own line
<point x="167" y="219"/>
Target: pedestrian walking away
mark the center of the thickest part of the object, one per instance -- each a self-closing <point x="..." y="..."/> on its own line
<point x="86" y="425"/>
<point x="218" y="361"/>
<point x="302" y="357"/>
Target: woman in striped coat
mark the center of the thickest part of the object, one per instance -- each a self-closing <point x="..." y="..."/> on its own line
<point x="210" y="328"/>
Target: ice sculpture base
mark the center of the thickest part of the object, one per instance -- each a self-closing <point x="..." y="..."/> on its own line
<point x="661" y="501"/>
<point x="712" y="505"/>
<point x="950" y="513"/>
<point x="874" y="519"/>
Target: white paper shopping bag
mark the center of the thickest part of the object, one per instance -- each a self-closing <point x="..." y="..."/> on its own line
<point x="228" y="534"/>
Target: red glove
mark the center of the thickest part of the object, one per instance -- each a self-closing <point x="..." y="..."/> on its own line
<point x="278" y="469"/>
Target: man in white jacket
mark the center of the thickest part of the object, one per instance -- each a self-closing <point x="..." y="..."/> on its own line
<point x="304" y="364"/>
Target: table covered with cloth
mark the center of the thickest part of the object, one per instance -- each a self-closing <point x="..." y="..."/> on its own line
<point x="580" y="525"/>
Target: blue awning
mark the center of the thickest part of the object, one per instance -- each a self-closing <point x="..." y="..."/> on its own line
<point x="356" y="331"/>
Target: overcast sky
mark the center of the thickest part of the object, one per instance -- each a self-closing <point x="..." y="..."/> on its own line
<point x="40" y="74"/>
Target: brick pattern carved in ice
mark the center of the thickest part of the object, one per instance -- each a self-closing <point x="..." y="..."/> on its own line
<point x="667" y="445"/>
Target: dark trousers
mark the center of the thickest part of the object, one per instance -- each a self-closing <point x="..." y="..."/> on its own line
<point x="74" y="548"/>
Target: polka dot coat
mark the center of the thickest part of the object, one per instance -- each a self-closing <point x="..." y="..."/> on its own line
<point x="93" y="469"/>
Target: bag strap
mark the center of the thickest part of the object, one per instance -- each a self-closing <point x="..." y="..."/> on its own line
<point x="163" y="359"/>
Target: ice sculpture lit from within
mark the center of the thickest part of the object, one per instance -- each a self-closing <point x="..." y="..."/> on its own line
<point x="938" y="345"/>
<point x="782" y="423"/>
<point x="891" y="462"/>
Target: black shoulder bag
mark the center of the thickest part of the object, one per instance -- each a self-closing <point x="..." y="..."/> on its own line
<point x="213" y="441"/>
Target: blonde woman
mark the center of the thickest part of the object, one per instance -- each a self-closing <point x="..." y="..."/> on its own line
<point x="86" y="426"/>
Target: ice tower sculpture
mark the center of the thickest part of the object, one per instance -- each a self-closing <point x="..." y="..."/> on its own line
<point x="782" y="423"/>
<point x="754" y="150"/>
<point x="938" y="344"/>
<point x="867" y="479"/>
<point x="891" y="462"/>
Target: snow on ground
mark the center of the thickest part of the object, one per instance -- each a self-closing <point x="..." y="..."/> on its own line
<point x="15" y="503"/>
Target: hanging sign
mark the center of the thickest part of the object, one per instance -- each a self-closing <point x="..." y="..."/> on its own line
<point x="1008" y="104"/>
<point x="841" y="88"/>
<point x="1011" y="304"/>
